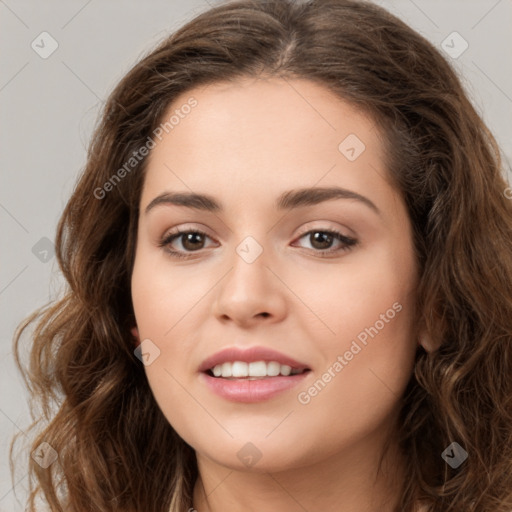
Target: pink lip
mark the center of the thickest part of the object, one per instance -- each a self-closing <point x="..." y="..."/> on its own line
<point x="249" y="355"/>
<point x="243" y="389"/>
<point x="250" y="391"/>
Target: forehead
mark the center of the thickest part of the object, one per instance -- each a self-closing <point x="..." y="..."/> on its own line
<point x="257" y="136"/>
<point x="270" y="111"/>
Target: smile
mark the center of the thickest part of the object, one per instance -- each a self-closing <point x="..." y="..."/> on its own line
<point x="254" y="370"/>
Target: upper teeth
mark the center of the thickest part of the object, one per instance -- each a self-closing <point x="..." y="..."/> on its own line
<point x="255" y="369"/>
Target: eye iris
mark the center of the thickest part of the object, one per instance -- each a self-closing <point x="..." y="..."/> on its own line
<point x="325" y="239"/>
<point x="191" y="237"/>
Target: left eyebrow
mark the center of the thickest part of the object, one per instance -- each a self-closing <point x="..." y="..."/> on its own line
<point x="288" y="200"/>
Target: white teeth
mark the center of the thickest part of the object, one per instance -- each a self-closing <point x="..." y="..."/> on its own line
<point x="273" y="369"/>
<point x="240" y="369"/>
<point x="225" y="369"/>
<point x="286" y="370"/>
<point x="258" y="369"/>
<point x="237" y="369"/>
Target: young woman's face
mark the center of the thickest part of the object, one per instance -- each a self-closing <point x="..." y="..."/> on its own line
<point x="268" y="275"/>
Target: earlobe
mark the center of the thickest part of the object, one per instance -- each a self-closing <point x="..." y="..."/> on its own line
<point x="135" y="333"/>
<point x="426" y="342"/>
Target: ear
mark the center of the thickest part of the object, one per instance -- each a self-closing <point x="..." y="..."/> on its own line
<point x="426" y="341"/>
<point x="135" y="333"/>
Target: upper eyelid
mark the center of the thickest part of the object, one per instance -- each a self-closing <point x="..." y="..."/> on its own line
<point x="307" y="227"/>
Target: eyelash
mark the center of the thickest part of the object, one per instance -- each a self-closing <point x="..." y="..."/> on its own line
<point x="348" y="243"/>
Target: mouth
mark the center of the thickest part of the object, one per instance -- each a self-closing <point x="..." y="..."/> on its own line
<point x="253" y="374"/>
<point x="249" y="383"/>
<point x="256" y="370"/>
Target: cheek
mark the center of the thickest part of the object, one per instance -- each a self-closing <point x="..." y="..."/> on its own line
<point x="167" y="305"/>
<point x="161" y="304"/>
<point x="368" y="355"/>
<point x="367" y="367"/>
<point x="162" y="295"/>
<point x="366" y="374"/>
<point x="351" y="296"/>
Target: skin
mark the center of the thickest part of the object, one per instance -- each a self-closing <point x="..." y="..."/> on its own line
<point x="245" y="143"/>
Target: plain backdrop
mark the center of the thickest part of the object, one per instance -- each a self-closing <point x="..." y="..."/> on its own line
<point x="49" y="104"/>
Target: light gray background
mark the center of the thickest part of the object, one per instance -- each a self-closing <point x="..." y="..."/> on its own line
<point x="48" y="108"/>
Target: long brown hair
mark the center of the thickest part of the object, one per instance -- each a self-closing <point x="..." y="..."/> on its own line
<point x="116" y="451"/>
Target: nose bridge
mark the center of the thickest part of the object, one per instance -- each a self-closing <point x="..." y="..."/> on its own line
<point x="250" y="288"/>
<point x="249" y="265"/>
<point x="251" y="234"/>
<point x="250" y="249"/>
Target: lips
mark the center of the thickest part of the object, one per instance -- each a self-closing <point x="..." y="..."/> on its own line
<point x="237" y="385"/>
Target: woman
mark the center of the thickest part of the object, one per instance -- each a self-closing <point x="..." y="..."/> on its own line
<point x="366" y="370"/>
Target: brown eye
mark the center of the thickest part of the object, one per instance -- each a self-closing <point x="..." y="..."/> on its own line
<point x="321" y="241"/>
<point x="191" y="241"/>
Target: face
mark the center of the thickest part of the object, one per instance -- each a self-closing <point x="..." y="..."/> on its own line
<point x="322" y="282"/>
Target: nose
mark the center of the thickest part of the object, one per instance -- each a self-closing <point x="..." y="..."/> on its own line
<point x="250" y="293"/>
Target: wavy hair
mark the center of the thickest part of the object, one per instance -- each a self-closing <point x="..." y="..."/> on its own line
<point x="89" y="394"/>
